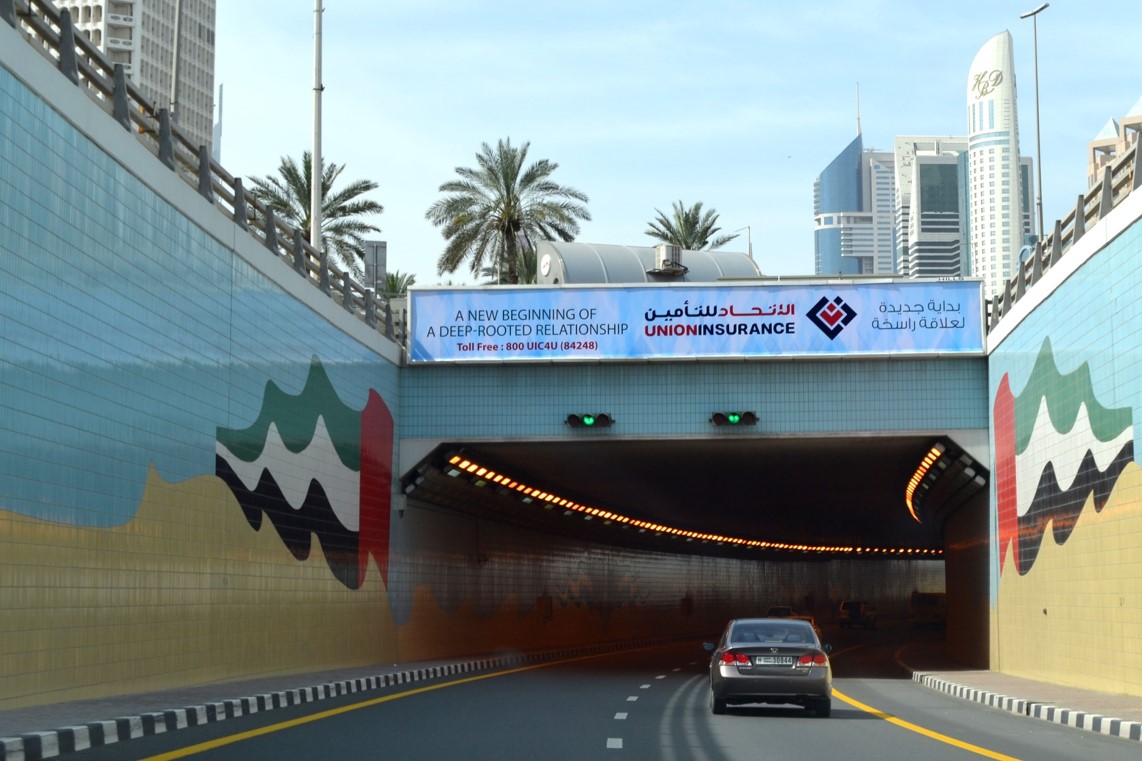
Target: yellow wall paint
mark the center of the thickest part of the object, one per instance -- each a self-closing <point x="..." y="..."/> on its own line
<point x="1076" y="617"/>
<point x="186" y="593"/>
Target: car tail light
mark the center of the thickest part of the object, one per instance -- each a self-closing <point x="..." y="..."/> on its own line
<point x="812" y="659"/>
<point x="730" y="658"/>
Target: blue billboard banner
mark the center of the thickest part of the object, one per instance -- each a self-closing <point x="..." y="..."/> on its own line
<point x="528" y="323"/>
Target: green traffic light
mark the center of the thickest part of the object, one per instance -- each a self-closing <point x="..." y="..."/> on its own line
<point x="588" y="420"/>
<point x="733" y="418"/>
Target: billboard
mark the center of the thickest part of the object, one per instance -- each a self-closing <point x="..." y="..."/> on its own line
<point x="716" y="321"/>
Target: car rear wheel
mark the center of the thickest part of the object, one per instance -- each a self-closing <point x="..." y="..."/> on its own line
<point x="823" y="708"/>
<point x="717" y="705"/>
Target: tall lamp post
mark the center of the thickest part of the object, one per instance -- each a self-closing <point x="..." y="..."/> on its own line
<point x="316" y="176"/>
<point x="748" y="237"/>
<point x="1033" y="15"/>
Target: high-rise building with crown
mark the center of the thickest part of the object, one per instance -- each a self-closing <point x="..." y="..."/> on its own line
<point x="999" y="183"/>
<point x="147" y="36"/>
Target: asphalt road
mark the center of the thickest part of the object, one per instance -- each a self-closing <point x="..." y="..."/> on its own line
<point x="646" y="705"/>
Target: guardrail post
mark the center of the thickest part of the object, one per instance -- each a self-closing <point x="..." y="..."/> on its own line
<point x="8" y="12"/>
<point x="1136" y="170"/>
<point x="992" y="313"/>
<point x="370" y="307"/>
<point x="1106" y="195"/>
<point x="1080" y="220"/>
<point x="68" y="63"/>
<point x="389" y="320"/>
<point x="205" y="180"/>
<point x="347" y="294"/>
<point x="298" y="253"/>
<point x="271" y="231"/>
<point x="1037" y="264"/>
<point x="324" y="280"/>
<point x="166" y="139"/>
<point x="1021" y="280"/>
<point x="240" y="204"/>
<point x="119" y="108"/>
<point x="1057" y="243"/>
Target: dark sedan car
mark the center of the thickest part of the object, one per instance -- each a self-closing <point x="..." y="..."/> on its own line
<point x="770" y="660"/>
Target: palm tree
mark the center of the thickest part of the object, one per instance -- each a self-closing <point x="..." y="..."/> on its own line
<point x="689" y="229"/>
<point x="528" y="269"/>
<point x="288" y="194"/>
<point x="490" y="208"/>
<point x="397" y="283"/>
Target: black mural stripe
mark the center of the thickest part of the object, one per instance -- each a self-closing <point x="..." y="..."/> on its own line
<point x="1061" y="508"/>
<point x="297" y="527"/>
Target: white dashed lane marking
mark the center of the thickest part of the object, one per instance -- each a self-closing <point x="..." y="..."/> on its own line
<point x="620" y="716"/>
<point x="615" y="742"/>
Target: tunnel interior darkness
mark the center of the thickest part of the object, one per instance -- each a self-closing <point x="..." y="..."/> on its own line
<point x="797" y="496"/>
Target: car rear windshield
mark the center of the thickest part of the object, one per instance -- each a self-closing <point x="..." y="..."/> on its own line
<point x="744" y="634"/>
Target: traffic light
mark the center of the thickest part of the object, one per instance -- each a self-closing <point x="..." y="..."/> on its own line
<point x="733" y="418"/>
<point x="590" y="420"/>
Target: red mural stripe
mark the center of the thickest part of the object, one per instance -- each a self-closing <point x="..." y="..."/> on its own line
<point x="377" y="432"/>
<point x="1006" y="500"/>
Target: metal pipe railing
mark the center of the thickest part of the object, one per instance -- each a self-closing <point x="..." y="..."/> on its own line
<point x="50" y="30"/>
<point x="1118" y="181"/>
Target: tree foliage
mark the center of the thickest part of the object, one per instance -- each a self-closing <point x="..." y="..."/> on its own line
<point x="397" y="283"/>
<point x="342" y="211"/>
<point x="689" y="228"/>
<point x="492" y="211"/>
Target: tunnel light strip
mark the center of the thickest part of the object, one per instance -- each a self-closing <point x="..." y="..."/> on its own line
<point x="529" y="494"/>
<point x="922" y="469"/>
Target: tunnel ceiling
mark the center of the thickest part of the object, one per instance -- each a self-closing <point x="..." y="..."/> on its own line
<point x="834" y="491"/>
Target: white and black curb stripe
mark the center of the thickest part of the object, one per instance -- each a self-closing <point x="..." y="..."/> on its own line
<point x="35" y="746"/>
<point x="1127" y="730"/>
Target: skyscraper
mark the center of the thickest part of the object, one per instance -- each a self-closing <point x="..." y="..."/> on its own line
<point x="929" y="206"/>
<point x="146" y="36"/>
<point x="997" y="183"/>
<point x="853" y="213"/>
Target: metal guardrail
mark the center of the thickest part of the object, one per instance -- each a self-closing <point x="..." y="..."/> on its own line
<point x="1118" y="181"/>
<point x="51" y="31"/>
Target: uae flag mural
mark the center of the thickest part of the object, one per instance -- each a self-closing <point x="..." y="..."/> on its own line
<point x="1055" y="448"/>
<point x="316" y="470"/>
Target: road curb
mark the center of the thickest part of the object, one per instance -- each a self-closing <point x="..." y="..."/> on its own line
<point x="36" y="746"/>
<point x="1106" y="725"/>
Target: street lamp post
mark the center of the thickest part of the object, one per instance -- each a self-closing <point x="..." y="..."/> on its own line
<point x="748" y="237"/>
<point x="1033" y="15"/>
<point x="316" y="176"/>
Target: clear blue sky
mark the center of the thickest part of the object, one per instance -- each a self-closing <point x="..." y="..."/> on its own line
<point x="739" y="105"/>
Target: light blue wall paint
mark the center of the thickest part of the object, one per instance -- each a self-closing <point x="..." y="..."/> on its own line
<point x="676" y="399"/>
<point x="129" y="334"/>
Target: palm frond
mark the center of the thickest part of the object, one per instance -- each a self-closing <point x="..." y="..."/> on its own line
<point x="288" y="193"/>
<point x="485" y="210"/>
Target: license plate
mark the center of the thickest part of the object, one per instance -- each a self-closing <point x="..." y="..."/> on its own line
<point x="773" y="660"/>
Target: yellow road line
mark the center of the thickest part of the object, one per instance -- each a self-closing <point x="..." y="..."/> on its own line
<point x="921" y="730"/>
<point x="231" y="739"/>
